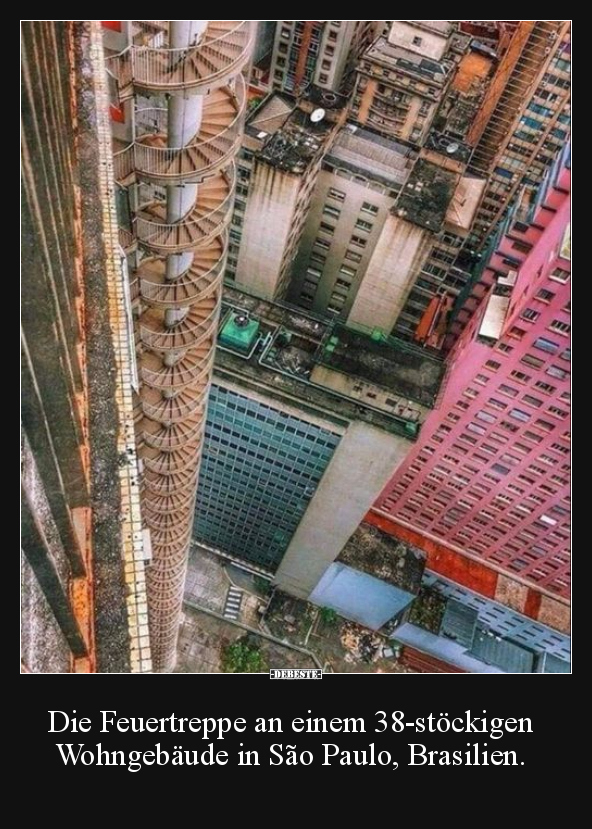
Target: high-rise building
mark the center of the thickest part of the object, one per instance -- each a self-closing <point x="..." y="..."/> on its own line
<point x="361" y="177"/>
<point x="83" y="549"/>
<point x="507" y="108"/>
<point x="524" y="118"/>
<point x="486" y="489"/>
<point x="306" y="421"/>
<point x="402" y="78"/>
<point x="321" y="52"/>
<point x="285" y="141"/>
<point x="186" y="96"/>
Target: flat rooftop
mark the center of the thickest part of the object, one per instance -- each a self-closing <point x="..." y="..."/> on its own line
<point x="292" y="343"/>
<point x="282" y="132"/>
<point x="409" y="62"/>
<point x="383" y="556"/>
<point x="441" y="27"/>
<point x="426" y="197"/>
<point x="398" y="366"/>
<point x="365" y="152"/>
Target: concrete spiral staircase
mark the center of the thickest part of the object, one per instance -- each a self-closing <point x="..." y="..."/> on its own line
<point x="178" y="308"/>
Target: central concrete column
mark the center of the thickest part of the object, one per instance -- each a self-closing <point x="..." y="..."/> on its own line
<point x="184" y="120"/>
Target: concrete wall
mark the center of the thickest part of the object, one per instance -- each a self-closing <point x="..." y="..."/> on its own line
<point x="396" y="262"/>
<point x="360" y="467"/>
<point x="357" y="388"/>
<point x="355" y="195"/>
<point x="268" y="221"/>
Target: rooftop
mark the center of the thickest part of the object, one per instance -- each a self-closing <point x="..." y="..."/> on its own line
<point x="400" y="367"/>
<point x="363" y="151"/>
<point x="427" y="195"/>
<point x="291" y="344"/>
<point x="287" y="132"/>
<point x="448" y="146"/>
<point x="408" y="62"/>
<point x="385" y="557"/>
<point x="441" y="27"/>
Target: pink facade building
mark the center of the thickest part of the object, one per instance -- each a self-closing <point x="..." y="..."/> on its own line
<point x="488" y="482"/>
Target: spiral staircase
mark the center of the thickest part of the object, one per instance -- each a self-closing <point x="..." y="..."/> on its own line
<point x="176" y="284"/>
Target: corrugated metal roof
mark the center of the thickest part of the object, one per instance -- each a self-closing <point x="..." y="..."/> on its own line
<point x="507" y="655"/>
<point x="553" y="665"/>
<point x="459" y="623"/>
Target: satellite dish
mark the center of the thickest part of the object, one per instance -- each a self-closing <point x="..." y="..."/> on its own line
<point x="452" y="148"/>
<point x="317" y="115"/>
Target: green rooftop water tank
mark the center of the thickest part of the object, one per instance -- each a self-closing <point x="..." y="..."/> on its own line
<point x="239" y="332"/>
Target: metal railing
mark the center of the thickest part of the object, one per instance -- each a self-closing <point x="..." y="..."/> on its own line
<point x="126" y="238"/>
<point x="177" y="377"/>
<point x="166" y="503"/>
<point x="123" y="163"/>
<point x="169" y="463"/>
<point x="158" y="521"/>
<point x="189" y="232"/>
<point x="186" y="334"/>
<point x="176" y="408"/>
<point x="168" y="294"/>
<point x="174" y="437"/>
<point x="213" y="59"/>
<point x="195" y="159"/>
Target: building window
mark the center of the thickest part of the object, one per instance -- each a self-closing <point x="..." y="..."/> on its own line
<point x="518" y="414"/>
<point x="329" y="210"/>
<point x="417" y="41"/>
<point x="369" y="208"/>
<point x="529" y="360"/>
<point x="359" y="242"/>
<point x="338" y="195"/>
<point x="546" y="345"/>
<point x="557" y="412"/>
<point x="508" y="390"/>
<point x="556" y="371"/>
<point x="544" y="295"/>
<point x="323" y="77"/>
<point x="530" y="314"/>
<point x="352" y="256"/>
<point x="361" y="224"/>
<point x="327" y="228"/>
<point x="560" y="327"/>
<point x="532" y="401"/>
<point x="559" y="275"/>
